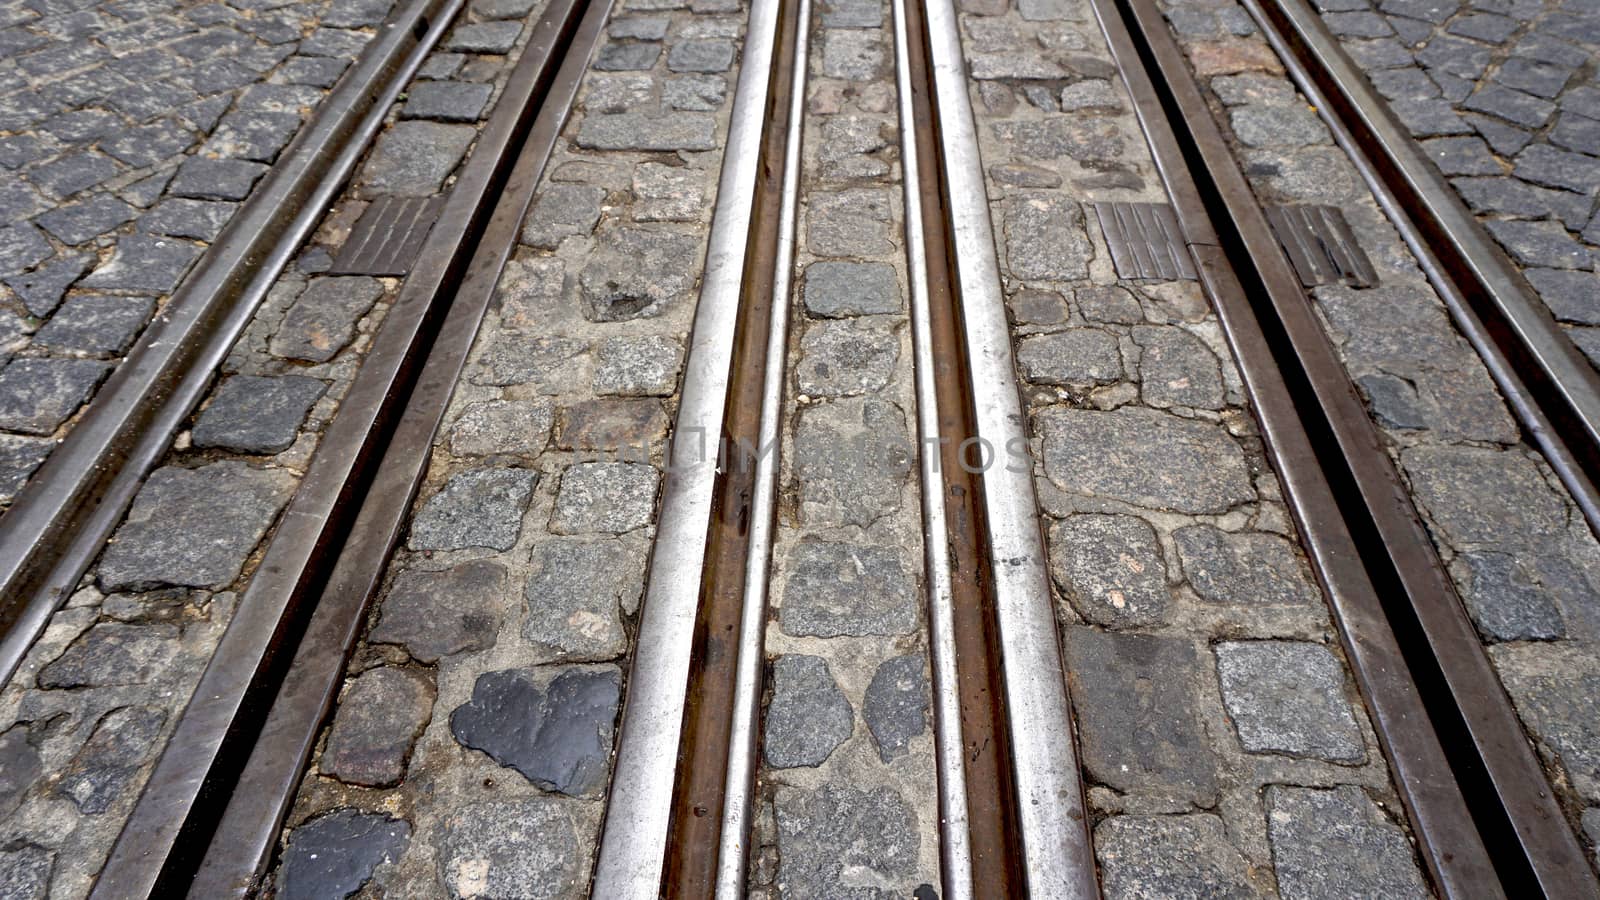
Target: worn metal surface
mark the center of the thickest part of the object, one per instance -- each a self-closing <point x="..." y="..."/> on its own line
<point x="1320" y="246"/>
<point x="1144" y="240"/>
<point x="387" y="237"/>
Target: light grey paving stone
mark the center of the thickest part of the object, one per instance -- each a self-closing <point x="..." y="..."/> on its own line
<point x="836" y="289"/>
<point x="438" y="614"/>
<point x="42" y="289"/>
<point x="640" y="131"/>
<point x="628" y="56"/>
<point x="852" y="55"/>
<point x="532" y="293"/>
<point x="19" y="457"/>
<point x="1556" y="689"/>
<point x="846" y="358"/>
<point x="832" y="589"/>
<point x="1184" y="857"/>
<point x="113" y="653"/>
<point x="413" y="158"/>
<point x="1076" y="356"/>
<point x="548" y="365"/>
<point x="1176" y="368"/>
<point x="1506" y="599"/>
<point x="161" y="605"/>
<point x="1243" y="567"/>
<point x="575" y="595"/>
<point x="253" y="414"/>
<point x="323" y="319"/>
<point x="1338" y="843"/>
<point x="1138" y="728"/>
<point x="644" y="28"/>
<point x="555" y="731"/>
<point x="503" y="9"/>
<point x="144" y="265"/>
<point x="618" y="92"/>
<point x="1484" y="496"/>
<point x="335" y="854"/>
<point x="1288" y="697"/>
<point x="1045" y="239"/>
<point x="25" y="870"/>
<point x="561" y="211"/>
<point x="645" y="366"/>
<point x="483" y="37"/>
<point x="1145" y="458"/>
<point x="95" y="324"/>
<point x="896" y="705"/>
<point x="380" y="715"/>
<point x="1110" y="569"/>
<point x="1278" y="125"/>
<point x="832" y="839"/>
<point x="193" y="527"/>
<point x="502" y="427"/>
<point x="849" y="147"/>
<point x="851" y="222"/>
<point x="1108" y="303"/>
<point x="1092" y="95"/>
<point x="605" y="497"/>
<point x="1024" y="175"/>
<point x="1393" y="401"/>
<point x="632" y="427"/>
<point x="637" y="272"/>
<point x="102" y="771"/>
<point x="475" y="508"/>
<point x="1030" y="307"/>
<point x="853" y="14"/>
<point x="696" y="93"/>
<point x="1087" y="139"/>
<point x="852" y="457"/>
<point x="446" y="101"/>
<point x="513" y="848"/>
<point x="808" y="716"/>
<point x="702" y="55"/>
<point x="667" y="193"/>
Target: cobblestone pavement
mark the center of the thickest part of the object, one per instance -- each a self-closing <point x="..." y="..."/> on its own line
<point x="1520" y="553"/>
<point x="130" y="132"/>
<point x="471" y="749"/>
<point x="92" y="705"/>
<point x="1505" y="98"/>
<point x="1221" y="732"/>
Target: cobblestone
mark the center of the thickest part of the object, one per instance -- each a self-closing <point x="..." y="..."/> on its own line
<point x="1110" y="569"/>
<point x="1288" y="697"/>
<point x="252" y="414"/>
<point x="1169" y="856"/>
<point x="436" y="614"/>
<point x="808" y="716"/>
<point x="1338" y="844"/>
<point x="896" y="705"/>
<point x="334" y="855"/>
<point x="476" y="508"/>
<point x="381" y="714"/>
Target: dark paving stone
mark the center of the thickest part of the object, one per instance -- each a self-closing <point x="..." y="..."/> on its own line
<point x="279" y="98"/>
<point x="42" y="289"/>
<point x="834" y="589"/>
<point x="19" y="457"/>
<point x="1572" y="296"/>
<point x="1542" y="79"/>
<point x="73" y="173"/>
<point x="475" y="508"/>
<point x="253" y="135"/>
<point x="23" y="109"/>
<point x="1030" y="307"/>
<point x="1434" y="11"/>
<point x="503" y="9"/>
<point x="252" y="414"/>
<point x="628" y="56"/>
<point x="436" y="614"/>
<point x="1486" y="27"/>
<point x="1379" y="53"/>
<point x="1110" y="569"/>
<point x="112" y="653"/>
<point x="1138" y="727"/>
<point x="413" y="158"/>
<point x="1544" y="164"/>
<point x="312" y="70"/>
<point x="705" y="55"/>
<point x="96" y="325"/>
<point x="514" y="848"/>
<point x="18" y="150"/>
<point x="335" y="854"/>
<point x="162" y="605"/>
<point x="193" y="527"/>
<point x="1504" y="138"/>
<point x="381" y="714"/>
<point x="837" y="837"/>
<point x="216" y="179"/>
<point x="808" y="716"/>
<point x="1507" y="601"/>
<point x="1462" y="156"/>
<point x="335" y="42"/>
<point x="20" y="767"/>
<point x="896" y="705"/>
<point x="1513" y="106"/>
<point x="37" y="395"/>
<point x="1544" y="244"/>
<point x="1583" y="100"/>
<point x="150" y="144"/>
<point x="624" y="425"/>
<point x="558" y="737"/>
<point x="1576" y="132"/>
<point x="146" y="191"/>
<point x="80" y="126"/>
<point x="576" y="593"/>
<point x="1426" y="117"/>
<point x="1170" y="856"/>
<point x="1338" y="843"/>
<point x="1511" y="197"/>
<point x="1244" y="568"/>
<point x="25" y="870"/>
<point x="144" y="265"/>
<point x="85" y="221"/>
<point x="483" y="37"/>
<point x="1144" y="457"/>
<point x="323" y="319"/>
<point x="104" y="768"/>
<point x="1450" y="87"/>
<point x="447" y="101"/>
<point x="1462" y="58"/>
<point x="201" y="220"/>
<point x="1288" y="697"/>
<point x="565" y="210"/>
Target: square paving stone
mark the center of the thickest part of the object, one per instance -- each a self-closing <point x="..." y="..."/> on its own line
<point x="637" y="273"/>
<point x="1462" y="156"/>
<point x="413" y="158"/>
<point x="484" y="37"/>
<point x="323" y="319"/>
<point x="82" y="222"/>
<point x="1045" y="239"/>
<point x="832" y="589"/>
<point x="22" y="246"/>
<point x="711" y="55"/>
<point x="1110" y="569"/>
<point x="43" y="288"/>
<point x="96" y="325"/>
<point x="1576" y="132"/>
<point x="150" y="144"/>
<point x="201" y="220"/>
<point x="37" y="395"/>
<point x="380" y="715"/>
<point x="832" y="838"/>
<point x="645" y="366"/>
<point x="1544" y="164"/>
<point x="1338" y="843"/>
<point x="71" y="174"/>
<point x="1486" y="27"/>
<point x="628" y="56"/>
<point x="1556" y="689"/>
<point x="253" y="135"/>
<point x="576" y="593"/>
<point x="216" y="179"/>
<point x="561" y="211"/>
<point x="1542" y="79"/>
<point x="194" y="527"/>
<point x="252" y="414"/>
<point x="840" y="289"/>
<point x="1170" y="856"/>
<point x="605" y="497"/>
<point x="436" y="614"/>
<point x="1288" y="697"/>
<point x="447" y="101"/>
<point x="335" y="854"/>
<point x="852" y="459"/>
<point x="1429" y="116"/>
<point x="475" y="508"/>
<point x="1513" y="106"/>
<point x="144" y="265"/>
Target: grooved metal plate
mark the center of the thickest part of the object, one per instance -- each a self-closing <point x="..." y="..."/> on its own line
<point x="1321" y="246"/>
<point x="387" y="237"/>
<point x="1145" y="240"/>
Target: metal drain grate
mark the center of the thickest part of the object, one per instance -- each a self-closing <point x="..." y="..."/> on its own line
<point x="1321" y="246"/>
<point x="386" y="238"/>
<point x="1145" y="241"/>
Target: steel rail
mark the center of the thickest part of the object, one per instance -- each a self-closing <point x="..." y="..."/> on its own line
<point x="638" y="819"/>
<point x="1416" y="721"/>
<point x="161" y="846"/>
<point x="63" y="515"/>
<point x="733" y="855"/>
<point x="955" y="846"/>
<point x="1552" y="388"/>
<point x="1056" y="857"/>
